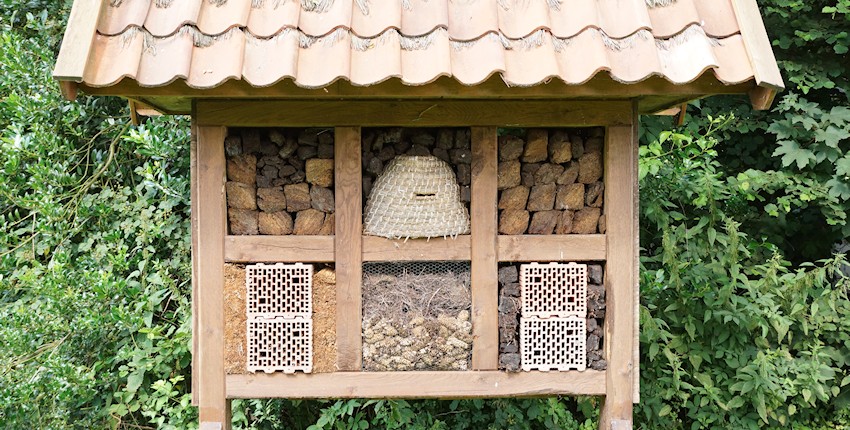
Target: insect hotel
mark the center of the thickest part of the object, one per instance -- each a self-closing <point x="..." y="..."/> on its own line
<point x="411" y="198"/>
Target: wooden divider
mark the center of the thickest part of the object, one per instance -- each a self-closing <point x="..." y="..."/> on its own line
<point x="415" y="385"/>
<point x="348" y="249"/>
<point x="278" y="249"/>
<point x="484" y="249"/>
<point x="211" y="227"/>
<point x="620" y="277"/>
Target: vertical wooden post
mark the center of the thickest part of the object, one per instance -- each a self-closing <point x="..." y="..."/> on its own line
<point x="620" y="275"/>
<point x="484" y="249"/>
<point x="348" y="247"/>
<point x="211" y="221"/>
<point x="193" y="196"/>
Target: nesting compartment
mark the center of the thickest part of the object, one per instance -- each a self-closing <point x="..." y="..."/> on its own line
<point x="416" y="316"/>
<point x="279" y="318"/>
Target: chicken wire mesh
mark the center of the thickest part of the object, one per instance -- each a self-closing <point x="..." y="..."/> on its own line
<point x="416" y="316"/>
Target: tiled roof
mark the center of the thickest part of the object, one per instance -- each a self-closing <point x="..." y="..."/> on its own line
<point x="316" y="42"/>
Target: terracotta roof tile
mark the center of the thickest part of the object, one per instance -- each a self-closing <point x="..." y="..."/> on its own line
<point x="315" y="42"/>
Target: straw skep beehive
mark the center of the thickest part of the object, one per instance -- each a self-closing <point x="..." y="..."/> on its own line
<point x="416" y="196"/>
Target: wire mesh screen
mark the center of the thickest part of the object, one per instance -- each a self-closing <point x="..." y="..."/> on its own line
<point x="416" y="316"/>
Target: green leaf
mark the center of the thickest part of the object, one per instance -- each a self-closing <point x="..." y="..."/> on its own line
<point x="831" y="136"/>
<point x="791" y="153"/>
<point x="134" y="380"/>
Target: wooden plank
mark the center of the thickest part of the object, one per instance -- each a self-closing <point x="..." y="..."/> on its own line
<point x="762" y="98"/>
<point x="484" y="249"/>
<point x="412" y="113"/>
<point x="620" y="281"/>
<point x="636" y="264"/>
<point x="436" y="249"/>
<point x="193" y="196"/>
<point x="78" y="39"/>
<point x="284" y="249"/>
<point x="415" y="385"/>
<point x="210" y="276"/>
<point x="757" y="44"/>
<point x="573" y="247"/>
<point x="348" y="242"/>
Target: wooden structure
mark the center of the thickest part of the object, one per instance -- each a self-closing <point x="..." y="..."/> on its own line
<point x="231" y="64"/>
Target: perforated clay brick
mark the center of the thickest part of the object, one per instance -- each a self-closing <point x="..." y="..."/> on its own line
<point x="553" y="343"/>
<point x="279" y="290"/>
<point x="554" y="289"/>
<point x="280" y="344"/>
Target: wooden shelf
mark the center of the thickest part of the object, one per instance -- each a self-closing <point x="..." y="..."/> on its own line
<point x="572" y="247"/>
<point x="436" y="249"/>
<point x="415" y="385"/>
<point x="285" y="249"/>
<point x="246" y="249"/>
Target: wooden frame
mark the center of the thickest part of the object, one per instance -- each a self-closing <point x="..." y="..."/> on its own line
<point x="484" y="247"/>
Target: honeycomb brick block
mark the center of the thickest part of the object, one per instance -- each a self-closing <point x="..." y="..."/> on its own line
<point x="554" y="290"/>
<point x="280" y="345"/>
<point x="279" y="290"/>
<point x="557" y="344"/>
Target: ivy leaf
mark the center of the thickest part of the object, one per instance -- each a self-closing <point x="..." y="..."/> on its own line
<point x="832" y="136"/>
<point x="791" y="153"/>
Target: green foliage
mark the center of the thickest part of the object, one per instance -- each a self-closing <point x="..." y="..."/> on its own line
<point x="733" y="337"/>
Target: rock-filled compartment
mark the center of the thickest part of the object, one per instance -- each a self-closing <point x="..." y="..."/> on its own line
<point x="550" y="181"/>
<point x="280" y="181"/>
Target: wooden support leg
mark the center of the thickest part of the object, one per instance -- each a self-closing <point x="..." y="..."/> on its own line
<point x="484" y="249"/>
<point x="348" y="247"/>
<point x="620" y="276"/>
<point x="211" y="209"/>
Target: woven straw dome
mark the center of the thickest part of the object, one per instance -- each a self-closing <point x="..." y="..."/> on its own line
<point x="416" y="197"/>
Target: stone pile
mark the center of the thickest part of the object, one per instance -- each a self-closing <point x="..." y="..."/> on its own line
<point x="550" y="182"/>
<point x="280" y="181"/>
<point x="452" y="145"/>
<point x="510" y="309"/>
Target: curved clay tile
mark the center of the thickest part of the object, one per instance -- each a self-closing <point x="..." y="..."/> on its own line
<point x="718" y="17"/>
<point x="323" y="60"/>
<point x="729" y="52"/>
<point x="114" y="58"/>
<point x="115" y="19"/>
<point x="422" y="63"/>
<point x="474" y="62"/>
<point x="217" y="17"/>
<point x="216" y="59"/>
<point x="166" y="59"/>
<point x="373" y="17"/>
<point x="268" y="61"/>
<point x="270" y="17"/>
<point x="321" y="21"/>
<point x="166" y="20"/>
<point x="634" y="58"/>
<point x="587" y="46"/>
<point x="521" y="18"/>
<point x="571" y="19"/>
<point x="376" y="60"/>
<point x="670" y="20"/>
<point x="623" y="18"/>
<point x="685" y="57"/>
<point x="470" y="19"/>
<point x="423" y="16"/>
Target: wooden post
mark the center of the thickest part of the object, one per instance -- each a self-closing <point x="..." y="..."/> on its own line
<point x="484" y="249"/>
<point x="348" y="248"/>
<point x="193" y="196"/>
<point x="211" y="227"/>
<point x="620" y="276"/>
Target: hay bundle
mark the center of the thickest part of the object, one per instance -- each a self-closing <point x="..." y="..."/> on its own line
<point x="416" y="319"/>
<point x="416" y="196"/>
